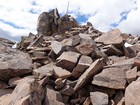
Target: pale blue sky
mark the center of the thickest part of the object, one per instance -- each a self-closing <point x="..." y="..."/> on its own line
<point x="19" y="17"/>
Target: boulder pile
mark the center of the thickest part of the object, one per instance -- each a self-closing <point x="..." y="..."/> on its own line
<point x="70" y="64"/>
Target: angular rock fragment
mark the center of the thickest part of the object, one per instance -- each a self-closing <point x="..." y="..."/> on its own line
<point x="14" y="81"/>
<point x="98" y="98"/>
<point x="83" y="64"/>
<point x="43" y="71"/>
<point x="111" y="50"/>
<point x="67" y="90"/>
<point x="123" y="64"/>
<point x="113" y="37"/>
<point x="61" y="73"/>
<point x="52" y="97"/>
<point x="111" y="78"/>
<point x="57" y="47"/>
<point x="85" y="48"/>
<point x="59" y="83"/>
<point x="131" y="75"/>
<point x="68" y="60"/>
<point x="119" y="98"/>
<point x="132" y="92"/>
<point x="95" y="68"/>
<point x="28" y="91"/>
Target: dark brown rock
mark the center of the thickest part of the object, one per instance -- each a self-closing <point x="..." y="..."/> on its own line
<point x="66" y="23"/>
<point x="47" y="22"/>
<point x="111" y="50"/>
<point x="3" y="85"/>
<point x="119" y="98"/>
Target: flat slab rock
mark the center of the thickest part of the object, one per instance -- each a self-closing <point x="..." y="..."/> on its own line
<point x="132" y="93"/>
<point x="113" y="37"/>
<point x="95" y="68"/>
<point x="51" y="70"/>
<point x="68" y="60"/>
<point x="111" y="78"/>
<point x="13" y="63"/>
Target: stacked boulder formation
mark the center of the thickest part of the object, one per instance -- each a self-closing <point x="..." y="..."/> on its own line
<point x="70" y="64"/>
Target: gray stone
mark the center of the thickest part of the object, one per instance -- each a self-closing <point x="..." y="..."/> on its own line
<point x="57" y="47"/>
<point x="98" y="98"/>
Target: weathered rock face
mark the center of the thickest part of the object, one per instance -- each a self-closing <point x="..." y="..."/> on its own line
<point x="47" y="22"/>
<point x="13" y="63"/>
<point x="50" y="22"/>
<point x="111" y="78"/>
<point x="72" y="65"/>
<point x="28" y="91"/>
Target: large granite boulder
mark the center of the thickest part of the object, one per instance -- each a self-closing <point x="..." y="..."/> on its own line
<point x="13" y="63"/>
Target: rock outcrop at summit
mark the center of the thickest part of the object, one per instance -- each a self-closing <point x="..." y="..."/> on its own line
<point x="51" y="22"/>
<point x="70" y="64"/>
